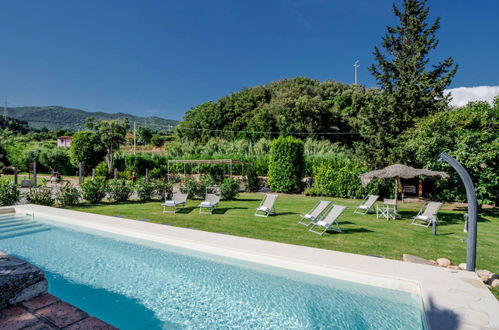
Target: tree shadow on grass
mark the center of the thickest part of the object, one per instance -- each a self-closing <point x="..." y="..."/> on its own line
<point x="248" y="199"/>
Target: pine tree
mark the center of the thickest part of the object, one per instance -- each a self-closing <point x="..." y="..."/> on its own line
<point x="403" y="69"/>
<point x="411" y="87"/>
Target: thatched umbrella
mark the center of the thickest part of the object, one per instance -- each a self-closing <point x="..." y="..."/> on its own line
<point x="398" y="171"/>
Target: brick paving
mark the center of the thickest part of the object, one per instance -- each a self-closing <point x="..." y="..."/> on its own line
<point x="47" y="312"/>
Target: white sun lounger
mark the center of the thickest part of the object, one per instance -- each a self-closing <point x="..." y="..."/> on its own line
<point x="366" y="205"/>
<point x="267" y="206"/>
<point x="427" y="215"/>
<point x="314" y="214"/>
<point x="211" y="201"/>
<point x="329" y="220"/>
<point x="178" y="199"/>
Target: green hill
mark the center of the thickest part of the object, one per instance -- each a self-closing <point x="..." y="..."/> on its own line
<point x="56" y="117"/>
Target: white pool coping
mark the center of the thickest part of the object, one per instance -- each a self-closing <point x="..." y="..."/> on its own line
<point x="451" y="299"/>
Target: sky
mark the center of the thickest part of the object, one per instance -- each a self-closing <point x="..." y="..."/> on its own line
<point x="162" y="57"/>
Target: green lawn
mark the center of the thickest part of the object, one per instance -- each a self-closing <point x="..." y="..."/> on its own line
<point x="361" y="234"/>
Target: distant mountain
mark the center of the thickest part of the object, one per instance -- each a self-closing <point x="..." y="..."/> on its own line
<point x="56" y="117"/>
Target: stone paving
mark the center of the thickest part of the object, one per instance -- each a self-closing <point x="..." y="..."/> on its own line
<point x="48" y="312"/>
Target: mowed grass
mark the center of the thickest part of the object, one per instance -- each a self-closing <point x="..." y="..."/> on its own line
<point x="362" y="234"/>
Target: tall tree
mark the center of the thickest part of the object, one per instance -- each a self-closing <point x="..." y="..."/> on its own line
<point x="411" y="86"/>
<point x="86" y="148"/>
<point x="403" y="69"/>
<point x="111" y="133"/>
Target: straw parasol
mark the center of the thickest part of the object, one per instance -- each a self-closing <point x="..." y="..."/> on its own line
<point x="398" y="171"/>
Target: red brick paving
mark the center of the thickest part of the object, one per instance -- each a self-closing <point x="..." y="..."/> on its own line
<point x="13" y="318"/>
<point x="61" y="314"/>
<point x="47" y="312"/>
<point x="40" y="302"/>
<point x="90" y="323"/>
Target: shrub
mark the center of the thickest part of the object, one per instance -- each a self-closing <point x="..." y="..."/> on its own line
<point x="101" y="170"/>
<point x="9" y="170"/>
<point x="94" y="190"/>
<point x="158" y="140"/>
<point x="286" y="165"/>
<point x="9" y="193"/>
<point x="251" y="179"/>
<point x="144" y="189"/>
<point x="197" y="189"/>
<point x="119" y="190"/>
<point x="162" y="188"/>
<point x="229" y="189"/>
<point x="40" y="195"/>
<point x="68" y="196"/>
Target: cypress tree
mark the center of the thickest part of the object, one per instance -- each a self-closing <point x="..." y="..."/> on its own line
<point x="411" y="87"/>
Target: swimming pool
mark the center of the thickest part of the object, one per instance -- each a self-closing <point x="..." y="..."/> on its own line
<point x="135" y="284"/>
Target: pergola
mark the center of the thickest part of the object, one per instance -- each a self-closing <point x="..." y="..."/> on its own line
<point x="228" y="162"/>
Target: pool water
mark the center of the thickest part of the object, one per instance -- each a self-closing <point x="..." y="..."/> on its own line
<point x="135" y="284"/>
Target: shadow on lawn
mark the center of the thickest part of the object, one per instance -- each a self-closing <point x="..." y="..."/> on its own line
<point x="355" y="230"/>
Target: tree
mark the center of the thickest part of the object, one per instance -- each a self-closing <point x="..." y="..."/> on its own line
<point x="470" y="135"/>
<point x="145" y="135"/>
<point x="55" y="159"/>
<point x="86" y="148"/>
<point x="411" y="89"/>
<point x="111" y="134"/>
<point x="403" y="70"/>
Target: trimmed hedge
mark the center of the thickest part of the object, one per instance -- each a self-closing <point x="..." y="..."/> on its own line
<point x="286" y="165"/>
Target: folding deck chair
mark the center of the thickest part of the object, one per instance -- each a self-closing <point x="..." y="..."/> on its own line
<point x="427" y="214"/>
<point x="211" y="200"/>
<point x="178" y="199"/>
<point x="267" y="206"/>
<point x="366" y="204"/>
<point x="314" y="214"/>
<point x="330" y="219"/>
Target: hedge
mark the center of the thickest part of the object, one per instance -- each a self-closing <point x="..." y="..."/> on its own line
<point x="286" y="165"/>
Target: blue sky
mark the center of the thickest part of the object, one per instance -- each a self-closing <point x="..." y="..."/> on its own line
<point x="164" y="57"/>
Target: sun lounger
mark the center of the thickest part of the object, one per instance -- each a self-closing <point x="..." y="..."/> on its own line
<point x="427" y="215"/>
<point x="178" y="199"/>
<point x="314" y="214"/>
<point x="266" y="208"/>
<point x="329" y="220"/>
<point x="211" y="200"/>
<point x="366" y="204"/>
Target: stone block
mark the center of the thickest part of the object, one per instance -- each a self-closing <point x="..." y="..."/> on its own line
<point x="444" y="262"/>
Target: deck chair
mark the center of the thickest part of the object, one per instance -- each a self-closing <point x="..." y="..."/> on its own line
<point x="427" y="214"/>
<point x="329" y="220"/>
<point x="178" y="199"/>
<point x="267" y="206"/>
<point x="366" y="204"/>
<point x="211" y="201"/>
<point x="314" y="214"/>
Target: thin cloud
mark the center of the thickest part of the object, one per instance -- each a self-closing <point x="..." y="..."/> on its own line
<point x="462" y="95"/>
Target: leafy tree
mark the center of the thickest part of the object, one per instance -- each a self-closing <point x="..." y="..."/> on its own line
<point x="470" y="135"/>
<point x="86" y="148"/>
<point x="111" y="134"/>
<point x="411" y="90"/>
<point x="145" y="135"/>
<point x="56" y="159"/>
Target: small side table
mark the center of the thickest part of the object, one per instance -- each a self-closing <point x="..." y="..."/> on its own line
<point x="388" y="210"/>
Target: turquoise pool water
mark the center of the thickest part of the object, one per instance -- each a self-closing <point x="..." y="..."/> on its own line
<point x="135" y="284"/>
